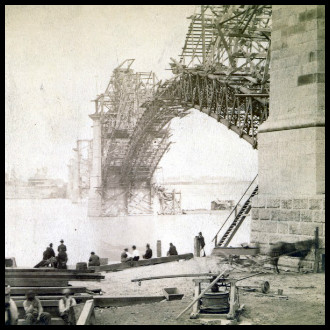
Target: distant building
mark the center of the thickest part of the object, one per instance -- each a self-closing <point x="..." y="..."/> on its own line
<point x="222" y="204"/>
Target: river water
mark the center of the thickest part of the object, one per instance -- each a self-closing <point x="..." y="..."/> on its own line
<point x="31" y="224"/>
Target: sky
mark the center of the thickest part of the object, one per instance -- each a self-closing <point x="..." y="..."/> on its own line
<point x="57" y="58"/>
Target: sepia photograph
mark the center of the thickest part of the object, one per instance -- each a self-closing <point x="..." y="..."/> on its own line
<point x="164" y="164"/>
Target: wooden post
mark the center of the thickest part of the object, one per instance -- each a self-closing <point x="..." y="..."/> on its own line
<point x="197" y="292"/>
<point x="317" y="253"/>
<point x="197" y="247"/>
<point x="159" y="249"/>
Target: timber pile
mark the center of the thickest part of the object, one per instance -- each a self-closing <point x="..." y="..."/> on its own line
<point x="47" y="277"/>
<point x="48" y="284"/>
<point x="146" y="262"/>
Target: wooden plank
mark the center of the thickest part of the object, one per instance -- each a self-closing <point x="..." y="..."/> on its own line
<point x="172" y="276"/>
<point x="226" y="251"/>
<point x="55" y="275"/>
<point x="48" y="269"/>
<point x="55" y="297"/>
<point x="46" y="290"/>
<point x="54" y="321"/>
<point x="153" y="261"/>
<point x="44" y="303"/>
<point x="109" y="301"/>
<point x="86" y="313"/>
<point x="32" y="282"/>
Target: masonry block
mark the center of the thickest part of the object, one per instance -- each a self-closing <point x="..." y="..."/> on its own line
<point x="255" y="213"/>
<point x="273" y="238"/>
<point x="306" y="215"/>
<point x="282" y="228"/>
<point x="286" y="204"/>
<point x="268" y="226"/>
<point x="300" y="203"/>
<point x="275" y="215"/>
<point x="294" y="228"/>
<point x="315" y="204"/>
<point x="254" y="238"/>
<point x="264" y="238"/>
<point x="264" y="214"/>
<point x="273" y="203"/>
<point x="255" y="225"/>
<point x="307" y="228"/>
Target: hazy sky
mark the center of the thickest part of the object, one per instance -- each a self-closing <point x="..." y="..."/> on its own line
<point x="59" y="57"/>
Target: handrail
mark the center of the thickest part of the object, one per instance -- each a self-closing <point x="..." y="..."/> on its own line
<point x="234" y="207"/>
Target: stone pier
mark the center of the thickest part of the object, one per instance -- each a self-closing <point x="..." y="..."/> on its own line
<point x="291" y="143"/>
<point x="94" y="196"/>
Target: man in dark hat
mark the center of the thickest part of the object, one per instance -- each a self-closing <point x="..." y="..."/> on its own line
<point x="201" y="242"/>
<point x="94" y="260"/>
<point x="148" y="253"/>
<point x="50" y="251"/>
<point x="61" y="247"/>
<point x="172" y="251"/>
<point x="45" y="257"/>
<point x="34" y="313"/>
<point x="62" y="259"/>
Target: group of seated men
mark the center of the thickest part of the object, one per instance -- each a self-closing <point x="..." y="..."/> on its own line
<point x="49" y="258"/>
<point x="33" y="310"/>
<point x="135" y="255"/>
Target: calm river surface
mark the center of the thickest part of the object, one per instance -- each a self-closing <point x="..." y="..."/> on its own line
<point x="31" y="224"/>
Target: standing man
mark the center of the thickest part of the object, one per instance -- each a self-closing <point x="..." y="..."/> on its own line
<point x="135" y="254"/>
<point x="94" y="260"/>
<point x="11" y="313"/>
<point x="61" y="247"/>
<point x="201" y="242"/>
<point x="148" y="253"/>
<point x="172" y="251"/>
<point x="64" y="305"/>
<point x="34" y="313"/>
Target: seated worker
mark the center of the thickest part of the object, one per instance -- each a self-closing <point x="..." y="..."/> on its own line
<point x="62" y="259"/>
<point x="94" y="260"/>
<point x="135" y="254"/>
<point x="50" y="252"/>
<point x="43" y="262"/>
<point x="34" y="313"/>
<point x="125" y="256"/>
<point x="64" y="305"/>
<point x="11" y="313"/>
<point x="148" y="253"/>
<point x="172" y="251"/>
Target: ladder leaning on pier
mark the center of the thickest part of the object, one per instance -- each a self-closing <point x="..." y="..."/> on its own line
<point x="238" y="218"/>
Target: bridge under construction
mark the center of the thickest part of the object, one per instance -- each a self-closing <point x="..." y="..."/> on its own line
<point x="253" y="69"/>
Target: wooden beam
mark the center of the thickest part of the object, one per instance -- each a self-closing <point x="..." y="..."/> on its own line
<point x="55" y="275"/>
<point x="43" y="270"/>
<point x="86" y="313"/>
<point x="147" y="262"/>
<point x="32" y="282"/>
<point x="109" y="301"/>
<point x="171" y="276"/>
<point x="46" y="290"/>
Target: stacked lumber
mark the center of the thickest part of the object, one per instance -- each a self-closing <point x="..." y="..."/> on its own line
<point x="47" y="277"/>
<point x="146" y="262"/>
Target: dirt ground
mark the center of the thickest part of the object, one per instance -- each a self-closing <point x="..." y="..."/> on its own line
<point x="305" y="303"/>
